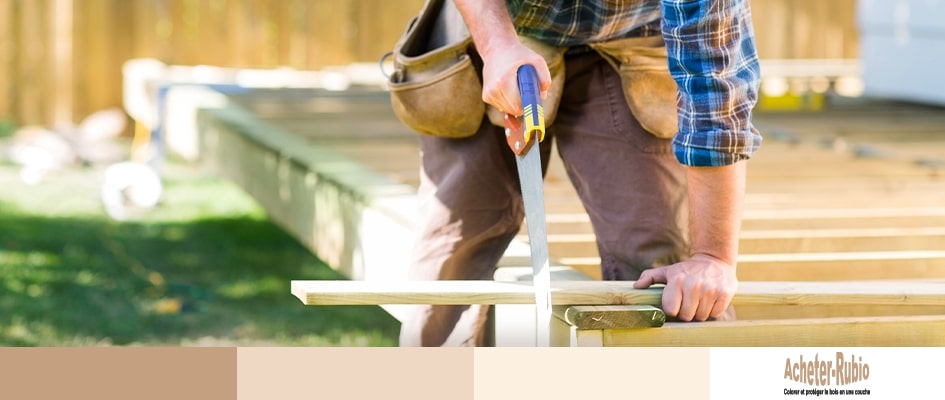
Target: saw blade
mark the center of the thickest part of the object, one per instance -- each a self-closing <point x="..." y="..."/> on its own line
<point x="530" y="178"/>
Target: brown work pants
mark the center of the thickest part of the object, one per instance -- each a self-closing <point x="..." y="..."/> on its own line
<point x="630" y="183"/>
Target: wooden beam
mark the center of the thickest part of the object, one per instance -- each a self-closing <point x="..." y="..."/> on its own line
<point x="562" y="335"/>
<point x="467" y="292"/>
<point x="857" y="212"/>
<point x="923" y="331"/>
<point x="610" y="292"/>
<point x="785" y="241"/>
<point x="608" y="317"/>
<point x="879" y="198"/>
<point x="63" y="79"/>
<point x="864" y="222"/>
<point x="576" y="213"/>
<point x="873" y="265"/>
<point x="753" y="312"/>
<point x="878" y="265"/>
<point x="841" y="240"/>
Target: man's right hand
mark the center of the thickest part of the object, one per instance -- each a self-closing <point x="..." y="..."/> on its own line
<point x="502" y="53"/>
<point x="500" y="75"/>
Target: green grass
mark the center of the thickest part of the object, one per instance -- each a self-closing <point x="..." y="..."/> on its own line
<point x="7" y="127"/>
<point x="204" y="268"/>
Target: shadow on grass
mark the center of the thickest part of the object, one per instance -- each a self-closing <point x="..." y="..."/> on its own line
<point x="73" y="282"/>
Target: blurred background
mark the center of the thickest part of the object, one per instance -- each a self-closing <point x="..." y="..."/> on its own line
<point x="211" y="268"/>
<point x="61" y="60"/>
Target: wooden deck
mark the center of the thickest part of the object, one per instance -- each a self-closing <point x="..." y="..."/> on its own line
<point x="852" y="193"/>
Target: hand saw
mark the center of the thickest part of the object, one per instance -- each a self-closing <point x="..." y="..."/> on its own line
<point x="521" y="135"/>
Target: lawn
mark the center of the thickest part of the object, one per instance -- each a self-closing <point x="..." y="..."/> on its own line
<point x="204" y="268"/>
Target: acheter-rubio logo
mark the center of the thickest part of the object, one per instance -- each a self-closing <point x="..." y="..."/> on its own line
<point x="842" y="370"/>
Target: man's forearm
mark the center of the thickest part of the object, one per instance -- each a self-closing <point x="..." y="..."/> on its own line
<point x="502" y="53"/>
<point x="488" y="22"/>
<point x="716" y="197"/>
<point x="703" y="286"/>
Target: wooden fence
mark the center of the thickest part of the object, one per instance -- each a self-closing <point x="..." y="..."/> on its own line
<point x="61" y="60"/>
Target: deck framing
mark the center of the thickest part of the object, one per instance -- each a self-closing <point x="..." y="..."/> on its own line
<point x="355" y="209"/>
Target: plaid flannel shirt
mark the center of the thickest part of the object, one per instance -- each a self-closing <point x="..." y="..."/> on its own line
<point x="711" y="54"/>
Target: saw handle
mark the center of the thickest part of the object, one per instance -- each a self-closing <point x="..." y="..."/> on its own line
<point x="534" y="114"/>
<point x="519" y="133"/>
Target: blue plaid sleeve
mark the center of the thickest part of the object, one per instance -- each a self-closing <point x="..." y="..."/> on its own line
<point x="713" y="59"/>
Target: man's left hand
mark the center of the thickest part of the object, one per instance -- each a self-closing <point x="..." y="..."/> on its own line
<point x="697" y="289"/>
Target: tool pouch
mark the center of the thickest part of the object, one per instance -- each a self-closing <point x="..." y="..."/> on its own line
<point x="554" y="57"/>
<point x="435" y="88"/>
<point x="648" y="86"/>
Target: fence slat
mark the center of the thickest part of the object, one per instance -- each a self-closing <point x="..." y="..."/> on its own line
<point x="8" y="45"/>
<point x="31" y="59"/>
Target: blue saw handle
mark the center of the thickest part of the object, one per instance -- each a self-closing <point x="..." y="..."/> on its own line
<point x="534" y="114"/>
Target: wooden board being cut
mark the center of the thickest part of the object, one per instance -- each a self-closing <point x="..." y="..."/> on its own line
<point x="610" y="292"/>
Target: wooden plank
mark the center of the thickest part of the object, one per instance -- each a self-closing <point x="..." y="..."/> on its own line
<point x="294" y="35"/>
<point x="862" y="198"/>
<point x="180" y="15"/>
<point x="821" y="266"/>
<point x="8" y="50"/>
<point x="874" y="214"/>
<point x="838" y="168"/>
<point x="145" y="35"/>
<point x="801" y="30"/>
<point x="586" y="338"/>
<point x="93" y="40"/>
<point x="205" y="20"/>
<point x="265" y="28"/>
<point x="877" y="265"/>
<point x="63" y="85"/>
<point x="608" y="317"/>
<point x="753" y="312"/>
<point x="379" y="25"/>
<point x="921" y="331"/>
<point x="785" y="241"/>
<point x="562" y="335"/>
<point x="848" y="212"/>
<point x="240" y="34"/>
<point x="772" y="22"/>
<point x="608" y="293"/>
<point x="844" y="223"/>
<point x="841" y="240"/>
<point x="332" y="33"/>
<point x="847" y="187"/>
<point x="32" y="69"/>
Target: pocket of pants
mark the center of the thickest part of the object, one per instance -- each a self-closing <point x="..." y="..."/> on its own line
<point x="648" y="86"/>
<point x="435" y="88"/>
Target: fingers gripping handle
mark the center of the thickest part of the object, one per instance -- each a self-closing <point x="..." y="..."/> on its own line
<point x="519" y="133"/>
